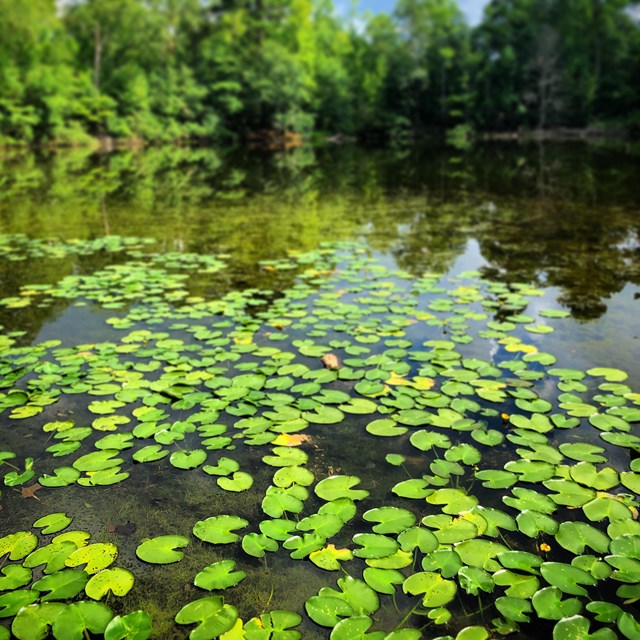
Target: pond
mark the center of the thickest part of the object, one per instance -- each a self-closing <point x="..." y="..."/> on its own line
<point x="326" y="392"/>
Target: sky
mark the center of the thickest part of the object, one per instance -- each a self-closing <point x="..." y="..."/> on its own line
<point x="471" y="8"/>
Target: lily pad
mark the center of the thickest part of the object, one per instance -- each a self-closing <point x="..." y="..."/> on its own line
<point x="162" y="549"/>
<point x="213" y="616"/>
<point x="219" y="529"/>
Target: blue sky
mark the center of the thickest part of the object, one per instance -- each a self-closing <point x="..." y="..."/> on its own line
<point x="471" y="8"/>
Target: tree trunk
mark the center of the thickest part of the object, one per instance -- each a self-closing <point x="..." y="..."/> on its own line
<point x="97" y="56"/>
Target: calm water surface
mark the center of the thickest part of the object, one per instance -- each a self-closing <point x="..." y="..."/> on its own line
<point x="564" y="217"/>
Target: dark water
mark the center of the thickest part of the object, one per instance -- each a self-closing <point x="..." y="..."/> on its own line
<point x="564" y="217"/>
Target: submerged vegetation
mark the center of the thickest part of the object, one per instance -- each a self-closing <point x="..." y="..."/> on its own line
<point x="360" y="453"/>
<point x="189" y="69"/>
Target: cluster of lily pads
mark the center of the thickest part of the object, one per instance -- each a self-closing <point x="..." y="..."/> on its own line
<point x="55" y="601"/>
<point x="509" y="490"/>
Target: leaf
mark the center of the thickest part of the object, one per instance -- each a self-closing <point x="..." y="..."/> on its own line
<point x="286" y="457"/>
<point x="62" y="585"/>
<point x="339" y="486"/>
<point x="188" y="459"/>
<point x="362" y="599"/>
<point x="426" y="440"/>
<point x="435" y="590"/>
<point x="480" y="553"/>
<point x="610" y="375"/>
<point x="276" y="625"/>
<point x="15" y="577"/>
<point x="549" y="605"/>
<point x="302" y="546"/>
<point x="150" y="453"/>
<point x="219" y="575"/>
<point x="390" y="519"/>
<point x="382" y="580"/>
<point x="326" y="611"/>
<point x="354" y="628"/>
<point x="117" y="581"/>
<point x="577" y="628"/>
<point x="473" y="580"/>
<point x="133" y="626"/>
<point x="450" y="530"/>
<point x="415" y="488"/>
<point x="213" y="616"/>
<point x="417" y="537"/>
<point x="374" y="545"/>
<point x="34" y="621"/>
<point x="583" y="451"/>
<point x="12" y="602"/>
<point x="519" y="586"/>
<point x="566" y="577"/>
<point x="532" y="523"/>
<point x="18" y="545"/>
<point x="329" y="558"/>
<point x="576" y="536"/>
<point x="75" y="618"/>
<point x="255" y="544"/>
<point x="516" y="609"/>
<point x="240" y="481"/>
<point x="96" y="557"/>
<point x="53" y="523"/>
<point x="219" y="529"/>
<point x="162" y="549"/>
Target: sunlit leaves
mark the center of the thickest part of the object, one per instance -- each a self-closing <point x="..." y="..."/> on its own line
<point x="162" y="549"/>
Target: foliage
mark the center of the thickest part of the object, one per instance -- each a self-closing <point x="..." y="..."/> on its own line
<point x="163" y="71"/>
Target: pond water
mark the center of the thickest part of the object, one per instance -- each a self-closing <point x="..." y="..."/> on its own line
<point x="166" y="309"/>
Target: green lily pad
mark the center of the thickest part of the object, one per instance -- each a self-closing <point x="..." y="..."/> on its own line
<point x="240" y="481"/>
<point x="549" y="605"/>
<point x="53" y="523"/>
<point x="213" y="616"/>
<point x="116" y="581"/>
<point x="566" y="577"/>
<point x="219" y="529"/>
<point x="286" y="457"/>
<point x="577" y="627"/>
<point x="136" y="625"/>
<point x="53" y="556"/>
<point x="62" y="585"/>
<point x="374" y="545"/>
<point x="219" y="575"/>
<point x="390" y="519"/>
<point x="18" y="545"/>
<point x="277" y="625"/>
<point x="256" y="544"/>
<point x="576" y="536"/>
<point x="188" y="459"/>
<point x="329" y="558"/>
<point x="162" y="549"/>
<point x="76" y="619"/>
<point x="362" y="599"/>
<point x="515" y="609"/>
<point x="150" y="453"/>
<point x="327" y="610"/>
<point x="15" y="576"/>
<point x="340" y="487"/>
<point x="34" y="621"/>
<point x="434" y="589"/>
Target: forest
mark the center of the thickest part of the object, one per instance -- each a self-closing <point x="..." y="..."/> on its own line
<point x="187" y="70"/>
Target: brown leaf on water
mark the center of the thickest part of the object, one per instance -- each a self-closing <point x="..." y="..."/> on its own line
<point x="30" y="492"/>
<point x="330" y="361"/>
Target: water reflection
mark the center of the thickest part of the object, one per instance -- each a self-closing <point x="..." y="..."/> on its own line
<point x="563" y="215"/>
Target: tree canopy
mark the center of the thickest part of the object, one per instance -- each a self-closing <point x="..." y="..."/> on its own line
<point x="188" y="69"/>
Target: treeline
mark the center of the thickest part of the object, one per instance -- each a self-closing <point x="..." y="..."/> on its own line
<point x="190" y="69"/>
